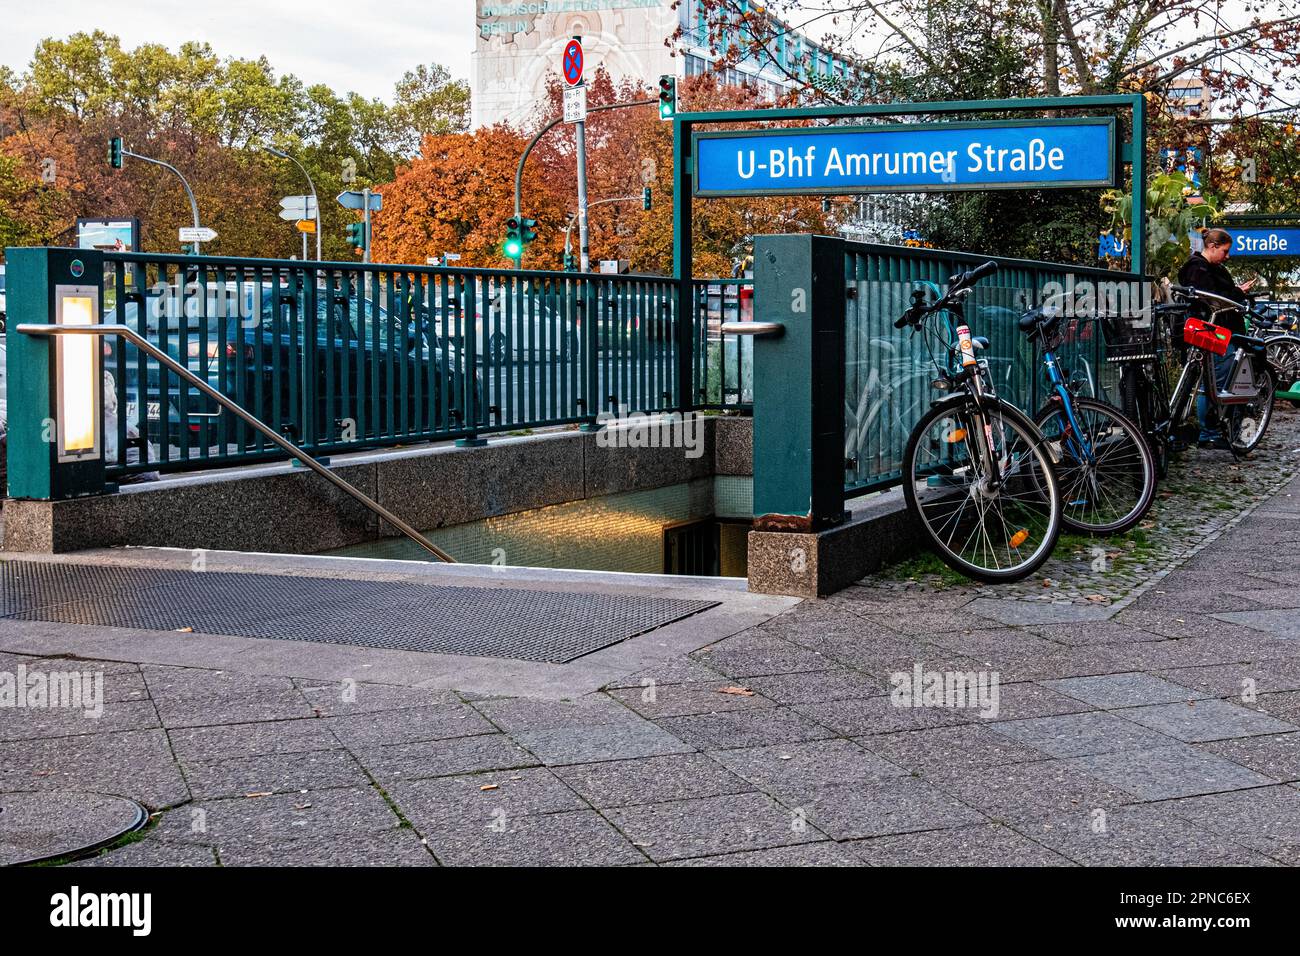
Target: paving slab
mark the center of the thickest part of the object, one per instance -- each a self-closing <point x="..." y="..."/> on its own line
<point x="1166" y="772"/>
<point x="152" y="852"/>
<point x="750" y="655"/>
<point x="622" y="741"/>
<point x="680" y="700"/>
<point x="1030" y="790"/>
<point x="873" y="808"/>
<point x="435" y="722"/>
<point x="443" y="758"/>
<point x="1122" y="690"/>
<point x="1266" y="819"/>
<point x="754" y="728"/>
<point x="621" y="783"/>
<point x="1206" y="720"/>
<point x="967" y="745"/>
<point x="1146" y="835"/>
<point x="1274" y="756"/>
<point x="136" y="764"/>
<point x="576" y="838"/>
<point x="1074" y="735"/>
<point x="840" y="683"/>
<point x="249" y="740"/>
<point x="1284" y="624"/>
<point x="37" y="723"/>
<point x="990" y="844"/>
<point x="273" y="773"/>
<point x="799" y="768"/>
<point x="807" y="854"/>
<point x="854" y="718"/>
<point x="706" y="827"/>
<point x="1238" y="680"/>
<point x="480" y="799"/>
<point x="397" y="846"/>
<point x="1036" y="612"/>
<point x="334" y="699"/>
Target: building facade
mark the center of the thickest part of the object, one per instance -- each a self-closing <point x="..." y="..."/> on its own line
<point x="519" y="44"/>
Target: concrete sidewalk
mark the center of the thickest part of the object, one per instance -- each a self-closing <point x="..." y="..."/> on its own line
<point x="1155" y="723"/>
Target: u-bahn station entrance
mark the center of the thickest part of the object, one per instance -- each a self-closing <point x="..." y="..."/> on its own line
<point x="510" y="565"/>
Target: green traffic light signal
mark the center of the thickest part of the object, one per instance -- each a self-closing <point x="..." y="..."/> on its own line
<point x="645" y="198"/>
<point x="358" y="238"/>
<point x="514" y="244"/>
<point x="667" y="96"/>
<point x="115" y="152"/>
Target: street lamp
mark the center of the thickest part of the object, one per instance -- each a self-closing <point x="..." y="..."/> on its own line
<point x="310" y="185"/>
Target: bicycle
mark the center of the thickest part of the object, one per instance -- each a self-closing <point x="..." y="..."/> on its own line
<point x="1281" y="348"/>
<point x="978" y="473"/>
<point x="1103" y="462"/>
<point x="1244" y="406"/>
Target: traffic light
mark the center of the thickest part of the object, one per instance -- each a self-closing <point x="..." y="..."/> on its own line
<point x="645" y="198"/>
<point x="667" y="96"/>
<point x="570" y="262"/>
<point x="514" y="244"/>
<point x="115" y="152"/>
<point x="528" y="233"/>
<point x="358" y="236"/>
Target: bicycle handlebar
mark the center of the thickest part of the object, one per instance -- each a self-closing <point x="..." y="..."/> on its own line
<point x="956" y="285"/>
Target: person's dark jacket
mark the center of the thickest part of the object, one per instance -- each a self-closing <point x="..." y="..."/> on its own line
<point x="1202" y="274"/>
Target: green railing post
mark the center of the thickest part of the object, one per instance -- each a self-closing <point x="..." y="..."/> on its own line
<point x="55" y="384"/>
<point x="799" y="379"/>
<point x="684" y="265"/>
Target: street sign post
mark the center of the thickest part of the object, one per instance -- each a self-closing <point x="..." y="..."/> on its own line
<point x="297" y="207"/>
<point x="575" y="104"/>
<point x="367" y="202"/>
<point x="572" y="62"/>
<point x="197" y="234"/>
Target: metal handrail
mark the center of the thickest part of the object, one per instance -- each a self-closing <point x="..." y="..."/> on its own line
<point x="286" y="446"/>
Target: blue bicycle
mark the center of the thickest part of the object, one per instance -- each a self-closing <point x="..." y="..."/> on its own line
<point x="1103" y="463"/>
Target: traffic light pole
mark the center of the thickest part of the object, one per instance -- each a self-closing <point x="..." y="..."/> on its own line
<point x="584" y="248"/>
<point x="519" y="171"/>
<point x="194" y="207"/>
<point x="365" y="253"/>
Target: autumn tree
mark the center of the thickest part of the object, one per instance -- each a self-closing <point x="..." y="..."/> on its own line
<point x="456" y="197"/>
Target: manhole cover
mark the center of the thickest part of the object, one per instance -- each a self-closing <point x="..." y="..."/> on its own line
<point x="42" y="826"/>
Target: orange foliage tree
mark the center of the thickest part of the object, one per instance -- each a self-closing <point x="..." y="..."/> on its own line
<point x="456" y="197"/>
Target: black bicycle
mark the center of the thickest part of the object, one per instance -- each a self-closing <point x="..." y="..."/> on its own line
<point x="977" y="472"/>
<point x="1244" y="406"/>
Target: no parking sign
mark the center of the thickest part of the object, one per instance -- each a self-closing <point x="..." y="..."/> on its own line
<point x="571" y="65"/>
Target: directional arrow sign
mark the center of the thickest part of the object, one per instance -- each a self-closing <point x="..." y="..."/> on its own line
<point x="297" y="207"/>
<point x="356" y="199"/>
<point x="198" y="234"/>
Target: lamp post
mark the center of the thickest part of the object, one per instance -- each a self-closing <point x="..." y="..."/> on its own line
<point x="310" y="185"/>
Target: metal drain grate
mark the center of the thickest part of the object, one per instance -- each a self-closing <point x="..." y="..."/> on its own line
<point x="547" y="626"/>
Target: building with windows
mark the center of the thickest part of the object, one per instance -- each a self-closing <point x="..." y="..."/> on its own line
<point x="519" y="44"/>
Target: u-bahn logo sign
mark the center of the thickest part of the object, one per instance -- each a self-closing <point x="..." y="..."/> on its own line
<point x="572" y="63"/>
<point x="916" y="157"/>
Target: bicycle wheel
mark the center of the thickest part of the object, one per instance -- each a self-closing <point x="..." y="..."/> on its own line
<point x="1138" y="402"/>
<point x="987" y="530"/>
<point x="1247" y="423"/>
<point x="1105" y="468"/>
<point x="1283" y="353"/>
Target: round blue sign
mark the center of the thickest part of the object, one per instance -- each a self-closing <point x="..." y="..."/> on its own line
<point x="573" y="63"/>
<point x="76" y="268"/>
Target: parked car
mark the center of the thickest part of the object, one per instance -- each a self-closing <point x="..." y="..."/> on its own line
<point x="253" y="353"/>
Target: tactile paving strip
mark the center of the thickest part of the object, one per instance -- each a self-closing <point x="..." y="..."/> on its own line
<point x="548" y="626"/>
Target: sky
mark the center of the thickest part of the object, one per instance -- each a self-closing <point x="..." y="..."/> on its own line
<point x="346" y="44"/>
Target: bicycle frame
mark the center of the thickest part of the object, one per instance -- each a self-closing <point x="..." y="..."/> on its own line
<point x="1080" y="447"/>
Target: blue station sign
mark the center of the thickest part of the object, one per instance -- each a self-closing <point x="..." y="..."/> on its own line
<point x="929" y="157"/>
<point x="1266" y="242"/>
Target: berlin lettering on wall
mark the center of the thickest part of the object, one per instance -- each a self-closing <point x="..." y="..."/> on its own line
<point x="908" y="158"/>
<point x="1267" y="241"/>
<point x="508" y="17"/>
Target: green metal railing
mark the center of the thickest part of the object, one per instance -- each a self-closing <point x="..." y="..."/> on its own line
<point x="889" y="372"/>
<point x="340" y="357"/>
<point x="723" y="363"/>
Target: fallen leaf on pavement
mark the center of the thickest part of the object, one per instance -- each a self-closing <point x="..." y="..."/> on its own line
<point x="736" y="691"/>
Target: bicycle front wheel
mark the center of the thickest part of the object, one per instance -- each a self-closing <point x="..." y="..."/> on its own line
<point x="993" y="517"/>
<point x="1105" y="466"/>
